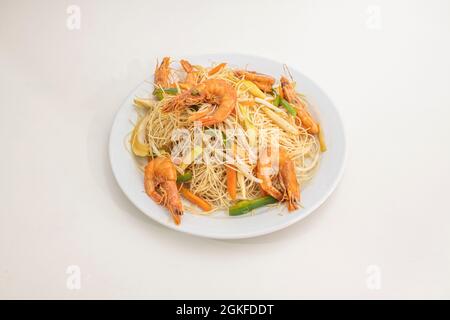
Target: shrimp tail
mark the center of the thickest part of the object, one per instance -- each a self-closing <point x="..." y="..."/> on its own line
<point x="273" y="192"/>
<point x="267" y="186"/>
<point x="173" y="202"/>
<point x="176" y="213"/>
<point x="293" y="201"/>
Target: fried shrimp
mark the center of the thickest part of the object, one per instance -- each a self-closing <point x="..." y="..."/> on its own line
<point x="286" y="173"/>
<point x="160" y="184"/>
<point x="214" y="91"/>
<point x="264" y="82"/>
<point x="162" y="73"/>
<point x="291" y="96"/>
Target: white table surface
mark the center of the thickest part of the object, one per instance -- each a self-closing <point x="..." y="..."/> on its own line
<point x="389" y="75"/>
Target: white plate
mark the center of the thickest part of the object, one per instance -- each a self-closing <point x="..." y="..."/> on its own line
<point x="264" y="220"/>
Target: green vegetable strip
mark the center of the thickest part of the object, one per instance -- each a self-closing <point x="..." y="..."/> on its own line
<point x="184" y="177"/>
<point x="290" y="109"/>
<point x="224" y="138"/>
<point x="276" y="101"/>
<point x="245" y="206"/>
<point x="159" y="93"/>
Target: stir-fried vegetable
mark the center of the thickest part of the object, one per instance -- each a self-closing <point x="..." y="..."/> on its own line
<point x="224" y="137"/>
<point x="280" y="121"/>
<point x="245" y="206"/>
<point x="247" y="103"/>
<point x="280" y="92"/>
<point x="193" y="198"/>
<point x="216" y="69"/>
<point x="269" y="105"/>
<point x="240" y="164"/>
<point x="290" y="109"/>
<point x="190" y="157"/>
<point x="143" y="103"/>
<point x="184" y="177"/>
<point x="231" y="174"/>
<point x="276" y="102"/>
<point x="159" y="92"/>
<point x="240" y="177"/>
<point x="323" y="145"/>
<point x="251" y="130"/>
<point x="252" y="88"/>
<point x="252" y="134"/>
<point x="138" y="145"/>
<point x="231" y="182"/>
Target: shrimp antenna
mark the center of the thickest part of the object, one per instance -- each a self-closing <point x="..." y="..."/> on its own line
<point x="286" y="69"/>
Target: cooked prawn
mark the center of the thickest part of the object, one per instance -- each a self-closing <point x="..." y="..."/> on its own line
<point x="191" y="75"/>
<point x="162" y="73"/>
<point x="286" y="172"/>
<point x="160" y="184"/>
<point x="214" y="91"/>
<point x="291" y="96"/>
<point x="262" y="81"/>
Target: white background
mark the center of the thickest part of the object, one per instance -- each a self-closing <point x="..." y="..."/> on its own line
<point x="60" y="205"/>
